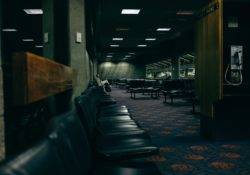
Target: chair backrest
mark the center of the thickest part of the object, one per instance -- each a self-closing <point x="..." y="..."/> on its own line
<point x="86" y="115"/>
<point x="68" y="134"/>
<point x="40" y="160"/>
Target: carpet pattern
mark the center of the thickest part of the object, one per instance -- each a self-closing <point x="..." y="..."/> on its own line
<point x="176" y="132"/>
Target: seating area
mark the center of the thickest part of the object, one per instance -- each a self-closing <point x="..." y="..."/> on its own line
<point x="98" y="137"/>
<point x="144" y="86"/>
<point x="173" y="89"/>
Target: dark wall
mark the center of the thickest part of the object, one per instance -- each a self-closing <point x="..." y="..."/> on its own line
<point x="111" y="70"/>
<point x="237" y="36"/>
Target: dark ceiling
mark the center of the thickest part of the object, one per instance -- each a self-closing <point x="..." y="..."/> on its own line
<point x="153" y="15"/>
<point x="28" y="26"/>
<point x="103" y="19"/>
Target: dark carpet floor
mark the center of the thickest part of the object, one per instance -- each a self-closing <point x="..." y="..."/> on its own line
<point x="176" y="131"/>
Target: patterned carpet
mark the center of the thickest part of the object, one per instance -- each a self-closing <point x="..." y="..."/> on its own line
<point x="176" y="131"/>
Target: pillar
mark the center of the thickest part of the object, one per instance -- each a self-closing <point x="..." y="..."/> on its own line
<point x="175" y="68"/>
<point x="79" y="59"/>
<point x="65" y="42"/>
<point x="48" y="28"/>
<point x="209" y="76"/>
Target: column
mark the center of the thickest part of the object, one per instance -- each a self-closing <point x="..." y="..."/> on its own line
<point x="65" y="42"/>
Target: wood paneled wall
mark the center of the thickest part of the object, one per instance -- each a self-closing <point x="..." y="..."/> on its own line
<point x="209" y="52"/>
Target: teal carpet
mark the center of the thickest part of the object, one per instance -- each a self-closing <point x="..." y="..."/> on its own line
<point x="176" y="132"/>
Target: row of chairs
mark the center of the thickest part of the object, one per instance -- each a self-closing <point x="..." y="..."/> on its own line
<point x="99" y="137"/>
<point x="151" y="87"/>
<point x="178" y="89"/>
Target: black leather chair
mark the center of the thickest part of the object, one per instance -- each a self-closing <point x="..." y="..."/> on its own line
<point x="66" y="151"/>
<point x="104" y="109"/>
<point x="105" y="127"/>
<point x="114" y="141"/>
<point x="71" y="139"/>
<point x="42" y="159"/>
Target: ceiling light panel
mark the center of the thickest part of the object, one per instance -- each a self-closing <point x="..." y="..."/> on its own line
<point x="114" y="45"/>
<point x="163" y="29"/>
<point x="33" y="11"/>
<point x="39" y="46"/>
<point x="150" y="39"/>
<point x="130" y="11"/>
<point x="28" y="40"/>
<point x="185" y="12"/>
<point x="117" y="39"/>
<point x="142" y="45"/>
<point x="122" y="29"/>
<point x="9" y="30"/>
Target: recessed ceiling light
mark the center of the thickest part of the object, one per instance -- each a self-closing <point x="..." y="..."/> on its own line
<point x="39" y="46"/>
<point x="33" y="11"/>
<point x="27" y="40"/>
<point x="142" y="45"/>
<point x="9" y="30"/>
<point x="117" y="39"/>
<point x="130" y="11"/>
<point x="163" y="29"/>
<point x="185" y="12"/>
<point x="122" y="29"/>
<point x="114" y="45"/>
<point x="150" y="39"/>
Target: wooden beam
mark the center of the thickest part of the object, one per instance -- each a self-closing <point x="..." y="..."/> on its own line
<point x="36" y="78"/>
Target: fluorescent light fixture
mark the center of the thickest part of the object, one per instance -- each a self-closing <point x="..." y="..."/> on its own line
<point x="127" y="56"/>
<point x="150" y="39"/>
<point x="130" y="11"/>
<point x="28" y="40"/>
<point x="122" y="29"/>
<point x="142" y="45"/>
<point x="33" y="11"/>
<point x="39" y="46"/>
<point x="132" y="53"/>
<point x="117" y="39"/>
<point x="9" y="30"/>
<point x="114" y="45"/>
<point x="185" y="12"/>
<point x="163" y="29"/>
<point x="109" y="56"/>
